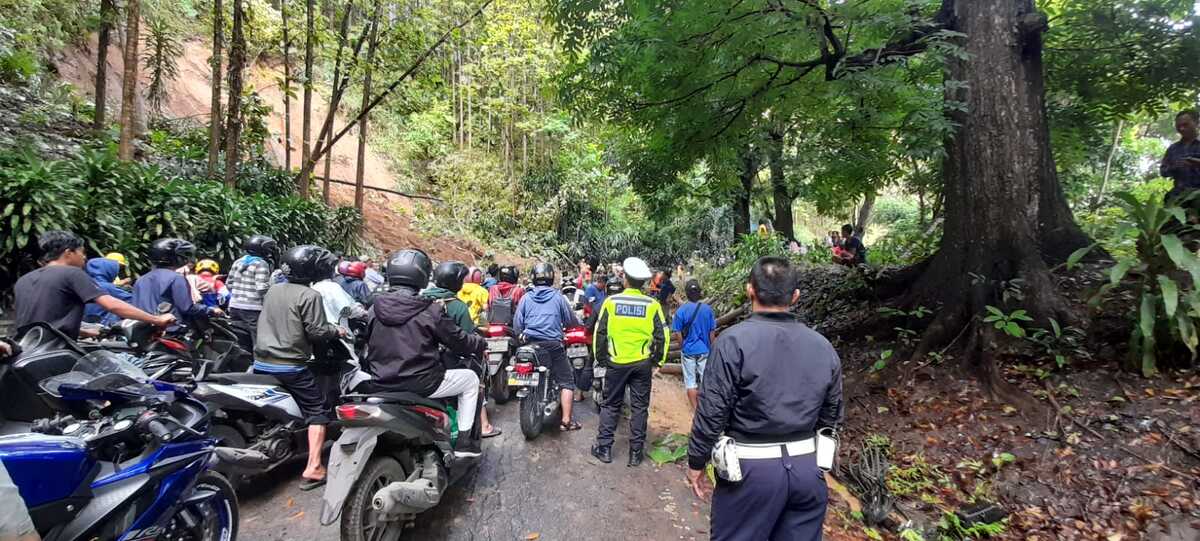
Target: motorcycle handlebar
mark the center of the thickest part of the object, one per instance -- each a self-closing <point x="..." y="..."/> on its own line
<point x="159" y="430"/>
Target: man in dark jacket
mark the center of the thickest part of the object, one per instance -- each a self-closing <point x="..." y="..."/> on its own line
<point x="770" y="385"/>
<point x="406" y="334"/>
<point x="163" y="284"/>
<point x="540" y="319"/>
<point x="292" y="321"/>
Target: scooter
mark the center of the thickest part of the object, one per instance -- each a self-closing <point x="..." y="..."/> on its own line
<point x="131" y="461"/>
<point x="393" y="461"/>
<point x="578" y="343"/>
<point x="501" y="345"/>
<point x="529" y="374"/>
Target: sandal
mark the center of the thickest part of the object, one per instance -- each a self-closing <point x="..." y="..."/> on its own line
<point x="570" y="426"/>
<point x="493" y="433"/>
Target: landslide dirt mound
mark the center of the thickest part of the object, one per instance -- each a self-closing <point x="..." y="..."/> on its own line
<point x="189" y="95"/>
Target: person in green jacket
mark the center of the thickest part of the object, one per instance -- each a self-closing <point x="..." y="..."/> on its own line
<point x="448" y="279"/>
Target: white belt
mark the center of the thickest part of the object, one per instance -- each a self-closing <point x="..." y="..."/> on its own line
<point x="753" y="451"/>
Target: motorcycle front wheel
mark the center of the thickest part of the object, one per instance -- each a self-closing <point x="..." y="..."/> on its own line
<point x="532" y="414"/>
<point x="212" y="519"/>
<point x="498" y="386"/>
<point x="359" y="522"/>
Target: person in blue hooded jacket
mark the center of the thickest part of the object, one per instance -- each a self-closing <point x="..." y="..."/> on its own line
<point x="541" y="316"/>
<point x="103" y="271"/>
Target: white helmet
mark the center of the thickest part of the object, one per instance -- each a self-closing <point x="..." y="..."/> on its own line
<point x="637" y="269"/>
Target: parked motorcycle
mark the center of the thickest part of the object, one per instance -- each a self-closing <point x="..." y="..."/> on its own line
<point x="501" y="345"/>
<point x="529" y="375"/>
<point x="578" y="343"/>
<point x="393" y="461"/>
<point x="124" y="459"/>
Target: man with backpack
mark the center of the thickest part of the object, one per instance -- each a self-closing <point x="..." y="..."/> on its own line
<point x="504" y="297"/>
<point x="694" y="327"/>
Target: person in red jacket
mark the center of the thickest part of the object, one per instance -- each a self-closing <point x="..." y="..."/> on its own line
<point x="504" y="297"/>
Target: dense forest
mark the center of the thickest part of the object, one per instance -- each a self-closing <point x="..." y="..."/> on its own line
<point x="1001" y="159"/>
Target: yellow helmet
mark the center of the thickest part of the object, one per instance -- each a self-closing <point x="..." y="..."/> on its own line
<point x="118" y="257"/>
<point x="208" y="265"/>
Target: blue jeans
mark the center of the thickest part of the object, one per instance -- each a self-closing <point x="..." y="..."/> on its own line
<point x="693" y="370"/>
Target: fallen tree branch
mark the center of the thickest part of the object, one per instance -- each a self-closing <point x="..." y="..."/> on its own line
<point x="1162" y="465"/>
<point x="1058" y="411"/>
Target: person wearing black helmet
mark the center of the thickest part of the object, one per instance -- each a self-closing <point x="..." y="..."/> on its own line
<point x="405" y="336"/>
<point x="248" y="281"/>
<point x="163" y="284"/>
<point x="505" y="296"/>
<point x="448" y="279"/>
<point x="292" y="320"/>
<point x="540" y="319"/>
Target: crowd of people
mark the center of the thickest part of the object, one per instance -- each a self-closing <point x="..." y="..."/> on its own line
<point x="769" y="383"/>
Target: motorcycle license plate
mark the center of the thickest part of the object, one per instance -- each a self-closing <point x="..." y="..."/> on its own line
<point x="577" y="350"/>
<point x="494" y="359"/>
<point x="494" y="346"/>
<point x="523" y="380"/>
<point x="578" y="362"/>
<point x="598" y="372"/>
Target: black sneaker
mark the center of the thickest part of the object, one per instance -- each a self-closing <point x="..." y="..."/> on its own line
<point x="603" y="454"/>
<point x="635" y="458"/>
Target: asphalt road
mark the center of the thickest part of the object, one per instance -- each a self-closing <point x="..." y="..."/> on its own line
<point x="547" y="489"/>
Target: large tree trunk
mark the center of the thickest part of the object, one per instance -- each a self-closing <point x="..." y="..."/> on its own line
<point x="781" y="194"/>
<point x="214" y="116"/>
<point x="741" y="201"/>
<point x="360" y="164"/>
<point x="237" y="64"/>
<point x="129" y="81"/>
<point x="1058" y="233"/>
<point x="306" y="119"/>
<point x="287" y="88"/>
<point x="994" y="185"/>
<point x="108" y="14"/>
<point x="327" y="128"/>
<point x="864" y="213"/>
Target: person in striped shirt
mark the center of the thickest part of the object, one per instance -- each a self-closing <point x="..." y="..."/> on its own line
<point x="248" y="281"/>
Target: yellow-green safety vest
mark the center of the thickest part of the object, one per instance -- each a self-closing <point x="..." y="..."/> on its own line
<point x="630" y="325"/>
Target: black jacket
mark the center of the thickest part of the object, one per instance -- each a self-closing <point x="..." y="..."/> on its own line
<point x="769" y="379"/>
<point x="406" y="333"/>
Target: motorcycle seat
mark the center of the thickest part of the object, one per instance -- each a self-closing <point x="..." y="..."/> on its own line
<point x="402" y="398"/>
<point x="235" y="378"/>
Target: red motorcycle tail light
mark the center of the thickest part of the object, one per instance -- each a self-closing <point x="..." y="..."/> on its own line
<point x="438" y="417"/>
<point x="524" y="368"/>
<point x="356" y="412"/>
<point x="494" y="331"/>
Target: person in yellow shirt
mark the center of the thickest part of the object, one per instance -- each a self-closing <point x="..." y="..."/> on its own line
<point x="474" y="296"/>
<point x="120" y="281"/>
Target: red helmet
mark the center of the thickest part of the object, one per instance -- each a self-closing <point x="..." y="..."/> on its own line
<point x="355" y="269"/>
<point x="475" y="276"/>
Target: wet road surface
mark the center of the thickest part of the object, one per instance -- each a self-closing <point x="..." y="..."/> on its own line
<point x="548" y="489"/>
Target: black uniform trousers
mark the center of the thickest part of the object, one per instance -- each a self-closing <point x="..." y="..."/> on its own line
<point x="636" y="377"/>
<point x="778" y="499"/>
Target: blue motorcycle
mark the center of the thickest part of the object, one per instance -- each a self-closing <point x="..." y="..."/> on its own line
<point x="123" y="458"/>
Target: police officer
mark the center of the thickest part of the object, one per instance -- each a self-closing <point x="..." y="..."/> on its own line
<point x="770" y="385"/>
<point x="631" y="340"/>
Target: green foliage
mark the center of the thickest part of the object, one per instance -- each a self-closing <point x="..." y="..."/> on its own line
<point x="952" y="529"/>
<point x="919" y="477"/>
<point x="1011" y="323"/>
<point x="1060" y="344"/>
<point x="163" y="50"/>
<point x="671" y="448"/>
<point x="1166" y="299"/>
<point x="121" y="206"/>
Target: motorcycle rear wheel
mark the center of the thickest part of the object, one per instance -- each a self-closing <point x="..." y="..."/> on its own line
<point x="532" y="415"/>
<point x="358" y="518"/>
<point x="498" y="387"/>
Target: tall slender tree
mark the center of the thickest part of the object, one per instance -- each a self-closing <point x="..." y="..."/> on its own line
<point x="310" y="38"/>
<point x="237" y="65"/>
<point x="360" y="165"/>
<point x="129" y="80"/>
<point x="214" y="115"/>
<point x="287" y="88"/>
<point x="108" y="15"/>
<point x="335" y="99"/>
